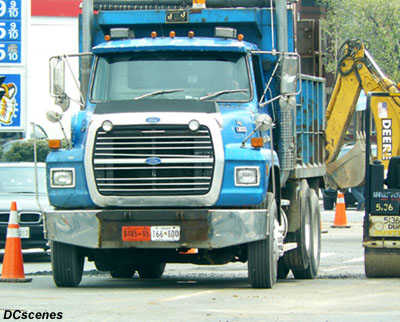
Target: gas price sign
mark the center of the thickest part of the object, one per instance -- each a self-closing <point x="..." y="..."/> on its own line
<point x="13" y="25"/>
<point x="10" y="32"/>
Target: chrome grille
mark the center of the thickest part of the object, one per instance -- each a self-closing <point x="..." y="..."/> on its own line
<point x="153" y="160"/>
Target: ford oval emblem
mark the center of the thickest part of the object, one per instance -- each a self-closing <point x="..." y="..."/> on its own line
<point x="153" y="119"/>
<point x="153" y="161"/>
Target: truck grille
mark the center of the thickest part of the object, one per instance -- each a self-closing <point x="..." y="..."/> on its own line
<point x="153" y="160"/>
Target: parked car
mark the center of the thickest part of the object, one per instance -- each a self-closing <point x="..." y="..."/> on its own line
<point x="18" y="184"/>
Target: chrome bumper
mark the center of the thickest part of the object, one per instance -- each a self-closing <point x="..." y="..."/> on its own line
<point x="200" y="228"/>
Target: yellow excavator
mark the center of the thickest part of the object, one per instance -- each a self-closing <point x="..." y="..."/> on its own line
<point x="357" y="70"/>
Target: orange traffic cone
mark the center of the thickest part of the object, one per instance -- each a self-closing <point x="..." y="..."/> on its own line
<point x="13" y="266"/>
<point x="340" y="213"/>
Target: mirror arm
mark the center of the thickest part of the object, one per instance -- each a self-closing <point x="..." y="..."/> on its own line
<point x="251" y="133"/>
<point x="69" y="145"/>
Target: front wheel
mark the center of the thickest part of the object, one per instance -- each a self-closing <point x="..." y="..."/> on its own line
<point x="262" y="255"/>
<point x="67" y="264"/>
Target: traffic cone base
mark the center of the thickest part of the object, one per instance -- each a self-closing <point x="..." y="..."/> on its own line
<point x="340" y="213"/>
<point x="13" y="265"/>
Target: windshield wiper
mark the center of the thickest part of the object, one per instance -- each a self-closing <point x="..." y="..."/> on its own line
<point x="159" y="92"/>
<point x="225" y="91"/>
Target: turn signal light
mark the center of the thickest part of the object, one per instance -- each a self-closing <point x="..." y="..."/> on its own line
<point x="54" y="144"/>
<point x="189" y="251"/>
<point x="257" y="142"/>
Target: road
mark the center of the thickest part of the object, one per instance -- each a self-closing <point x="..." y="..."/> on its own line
<point x="217" y="293"/>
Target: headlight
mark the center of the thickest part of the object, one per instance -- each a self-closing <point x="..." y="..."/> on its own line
<point x="247" y="176"/>
<point x="107" y="126"/>
<point x="62" y="178"/>
<point x="194" y="125"/>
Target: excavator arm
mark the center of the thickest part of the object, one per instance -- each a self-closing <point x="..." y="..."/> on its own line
<point x="357" y="70"/>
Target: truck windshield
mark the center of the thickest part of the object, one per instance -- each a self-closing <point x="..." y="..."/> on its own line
<point x="172" y="75"/>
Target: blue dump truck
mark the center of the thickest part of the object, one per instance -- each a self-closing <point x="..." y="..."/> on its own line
<point x="198" y="141"/>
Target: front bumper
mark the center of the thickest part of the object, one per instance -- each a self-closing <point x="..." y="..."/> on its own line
<point x="200" y="228"/>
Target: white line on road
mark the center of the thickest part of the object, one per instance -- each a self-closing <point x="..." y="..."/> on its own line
<point x="354" y="260"/>
<point x="182" y="297"/>
<point x="324" y="255"/>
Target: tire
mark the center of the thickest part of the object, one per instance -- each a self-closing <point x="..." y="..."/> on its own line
<point x="123" y="271"/>
<point x="311" y="271"/>
<point x="151" y="270"/>
<point x="298" y="259"/>
<point x="262" y="255"/>
<point x="67" y="264"/>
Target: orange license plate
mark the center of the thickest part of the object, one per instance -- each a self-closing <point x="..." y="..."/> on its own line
<point x="136" y="233"/>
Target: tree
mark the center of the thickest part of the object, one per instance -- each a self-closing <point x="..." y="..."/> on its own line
<point x="22" y="151"/>
<point x="375" y="22"/>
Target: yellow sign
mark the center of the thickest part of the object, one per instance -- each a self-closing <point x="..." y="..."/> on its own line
<point x="384" y="226"/>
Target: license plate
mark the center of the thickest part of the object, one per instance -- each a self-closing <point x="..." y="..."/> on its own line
<point x="151" y="233"/>
<point x="24" y="232"/>
<point x="381" y="226"/>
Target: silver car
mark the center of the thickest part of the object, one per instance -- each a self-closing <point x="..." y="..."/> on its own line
<point x="17" y="183"/>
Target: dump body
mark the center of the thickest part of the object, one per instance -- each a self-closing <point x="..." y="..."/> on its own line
<point x="163" y="156"/>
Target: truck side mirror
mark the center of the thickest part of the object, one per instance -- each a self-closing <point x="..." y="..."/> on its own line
<point x="263" y="122"/>
<point x="57" y="82"/>
<point x="290" y="71"/>
<point x="54" y="116"/>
